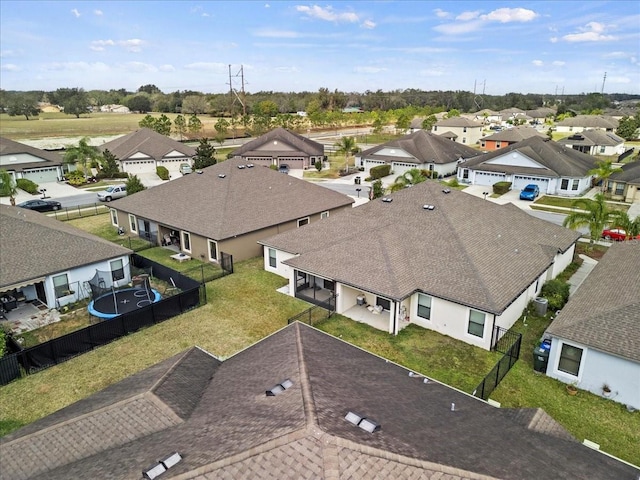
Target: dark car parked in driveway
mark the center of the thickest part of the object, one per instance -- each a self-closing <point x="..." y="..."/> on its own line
<point x="41" y="205"/>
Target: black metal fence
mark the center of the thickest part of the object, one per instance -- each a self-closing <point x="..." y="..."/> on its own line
<point x="78" y="211"/>
<point x="71" y="345"/>
<point x="505" y="342"/>
<point x="316" y="313"/>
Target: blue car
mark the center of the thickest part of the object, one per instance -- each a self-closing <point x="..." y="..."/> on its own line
<point x="530" y="192"/>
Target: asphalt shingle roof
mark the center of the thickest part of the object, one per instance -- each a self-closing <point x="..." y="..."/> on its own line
<point x="466" y="250"/>
<point x="630" y="173"/>
<point x="556" y="159"/>
<point x="300" y="145"/>
<point x="34" y="245"/>
<point x="457" y="122"/>
<point x="145" y="141"/>
<point x="236" y="432"/>
<point x="515" y="134"/>
<point x="589" y="121"/>
<point x="10" y="147"/>
<point x="592" y="137"/>
<point x="604" y="312"/>
<point x="244" y="200"/>
<point x="424" y="147"/>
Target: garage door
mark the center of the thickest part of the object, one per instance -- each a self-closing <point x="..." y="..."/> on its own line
<point x="294" y="163"/>
<point x="486" y="178"/>
<point x="139" y="166"/>
<point x="173" y="165"/>
<point x="41" y="175"/>
<point x="519" y="182"/>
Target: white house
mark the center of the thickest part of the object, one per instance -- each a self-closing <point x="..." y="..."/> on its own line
<point x="23" y="161"/>
<point x="595" y="142"/>
<point x="585" y="122"/>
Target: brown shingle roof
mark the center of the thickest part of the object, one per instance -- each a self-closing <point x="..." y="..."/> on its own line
<point x="589" y="121"/>
<point x="236" y="432"/>
<point x="299" y="144"/>
<point x="630" y="173"/>
<point x="457" y="122"/>
<point x="515" y="134"/>
<point x="424" y="147"/>
<point x="604" y="312"/>
<point x="148" y="142"/>
<point x="466" y="250"/>
<point x="245" y="200"/>
<point x="10" y="147"/>
<point x="34" y="245"/>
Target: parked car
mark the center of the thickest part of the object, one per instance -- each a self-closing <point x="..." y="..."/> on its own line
<point x="185" y="168"/>
<point x="530" y="192"/>
<point x="617" y="234"/>
<point x="283" y="168"/>
<point x="41" y="205"/>
<point x="112" y="192"/>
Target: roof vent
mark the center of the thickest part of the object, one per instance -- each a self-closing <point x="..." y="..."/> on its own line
<point x="279" y="388"/>
<point x="249" y="165"/>
<point x="241" y="167"/>
<point x="199" y="172"/>
<point x="221" y="175"/>
<point x="387" y="199"/>
<point x="446" y="190"/>
<point x="162" y="466"/>
<point x="429" y="207"/>
<point x="366" y="424"/>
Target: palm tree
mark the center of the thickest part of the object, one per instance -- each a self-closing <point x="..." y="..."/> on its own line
<point x="410" y="177"/>
<point x="622" y="220"/>
<point x="603" y="170"/>
<point x="82" y="154"/>
<point x="594" y="214"/>
<point x="348" y="146"/>
<point x="8" y="187"/>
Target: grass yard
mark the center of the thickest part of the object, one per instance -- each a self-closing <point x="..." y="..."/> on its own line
<point x="564" y="202"/>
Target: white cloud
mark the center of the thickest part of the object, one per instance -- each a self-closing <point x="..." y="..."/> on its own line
<point x="457" y="28"/>
<point x="507" y="15"/>
<point x="538" y="63"/>
<point x="465" y="16"/>
<point x="207" y="66"/>
<point x="140" y="67"/>
<point x="132" y="44"/>
<point x="441" y="13"/>
<point x="98" y="13"/>
<point x="368" y="24"/>
<point x="558" y="63"/>
<point x="75" y="12"/>
<point x="167" y="68"/>
<point x="553" y="39"/>
<point x="369" y="70"/>
<point x="99" y="45"/>
<point x="76" y="66"/>
<point x="10" y="67"/>
<point x="266" y="5"/>
<point x="270" y="33"/>
<point x="327" y="14"/>
<point x="591" y="32"/>
<point x="205" y="14"/>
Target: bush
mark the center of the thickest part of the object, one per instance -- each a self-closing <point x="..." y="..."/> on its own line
<point x="556" y="292"/>
<point x="76" y="177"/>
<point x="27" y="185"/>
<point x="162" y="172"/>
<point x="454" y="182"/>
<point x="318" y="165"/>
<point x="380" y="171"/>
<point x="273" y="167"/>
<point x="501" y="188"/>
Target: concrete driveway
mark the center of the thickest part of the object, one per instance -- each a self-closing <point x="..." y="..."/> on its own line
<point x="512" y="196"/>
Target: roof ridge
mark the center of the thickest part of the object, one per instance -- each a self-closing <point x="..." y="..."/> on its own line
<point x="305" y="385"/>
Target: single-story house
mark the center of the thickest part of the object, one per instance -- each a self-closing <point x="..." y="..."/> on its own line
<point x="595" y="142"/>
<point x="508" y="137"/>
<point x="459" y="129"/>
<point x="113" y="108"/>
<point x="540" y="115"/>
<point x="281" y="146"/>
<point x="595" y="339"/>
<point x="585" y="122"/>
<point x="440" y="259"/>
<point x="226" y="207"/>
<point x="488" y="117"/>
<point x="47" y="261"/>
<point x="420" y="149"/>
<point x="625" y="185"/>
<point x="297" y="404"/>
<point x="512" y="113"/>
<point x="557" y="170"/>
<point x="144" y="150"/>
<point x="23" y="161"/>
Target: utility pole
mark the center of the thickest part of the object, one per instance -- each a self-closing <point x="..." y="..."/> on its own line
<point x="603" y="80"/>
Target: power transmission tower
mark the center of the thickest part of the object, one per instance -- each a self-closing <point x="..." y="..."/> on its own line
<point x="603" y="80"/>
<point x="233" y="93"/>
<point x="478" y="100"/>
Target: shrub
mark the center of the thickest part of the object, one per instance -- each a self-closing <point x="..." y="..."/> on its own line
<point x="501" y="188"/>
<point x="273" y="167"/>
<point x="76" y="177"/>
<point x="27" y="185"/>
<point x="318" y="165"/>
<point x="3" y="342"/>
<point x="454" y="182"/>
<point x="380" y="171"/>
<point x="556" y="292"/>
<point x="162" y="172"/>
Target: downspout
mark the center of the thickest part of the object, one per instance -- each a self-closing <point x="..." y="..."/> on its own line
<point x="395" y="318"/>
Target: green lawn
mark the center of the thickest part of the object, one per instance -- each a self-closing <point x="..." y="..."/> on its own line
<point x="564" y="202"/>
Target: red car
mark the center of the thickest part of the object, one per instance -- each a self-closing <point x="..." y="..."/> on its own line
<point x="617" y="234"/>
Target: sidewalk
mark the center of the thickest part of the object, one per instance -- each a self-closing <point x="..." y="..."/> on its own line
<point x="581" y="274"/>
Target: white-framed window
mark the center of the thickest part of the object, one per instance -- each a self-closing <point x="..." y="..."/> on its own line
<point x="117" y="270"/>
<point x="424" y="306"/>
<point x="324" y="214"/>
<point x="114" y="217"/>
<point x="133" y="223"/>
<point x="213" y="250"/>
<point x="303" y="221"/>
<point x="272" y="258"/>
<point x="61" y="285"/>
<point x="186" y="241"/>
<point x="575" y="185"/>
<point x="498" y="144"/>
<point x="619" y="189"/>
<point x="476" y="323"/>
<point x="570" y="358"/>
<point x="564" y="184"/>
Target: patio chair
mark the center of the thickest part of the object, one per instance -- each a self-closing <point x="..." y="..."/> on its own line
<point x="167" y="240"/>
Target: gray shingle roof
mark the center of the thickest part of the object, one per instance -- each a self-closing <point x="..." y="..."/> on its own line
<point x="466" y="250"/>
<point x="34" y="245"/>
<point x="630" y="173"/>
<point x="424" y="147"/>
<point x="298" y="143"/>
<point x="236" y="432"/>
<point x="604" y="312"/>
<point x="556" y="159"/>
<point x="592" y="137"/>
<point x="10" y="147"/>
<point x="245" y="200"/>
<point x="515" y="134"/>
<point x="458" y="122"/>
<point x="589" y="121"/>
<point x="148" y="142"/>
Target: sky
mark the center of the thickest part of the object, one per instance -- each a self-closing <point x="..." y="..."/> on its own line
<point x="544" y="47"/>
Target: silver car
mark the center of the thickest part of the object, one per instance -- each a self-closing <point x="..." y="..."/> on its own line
<point x="112" y="192"/>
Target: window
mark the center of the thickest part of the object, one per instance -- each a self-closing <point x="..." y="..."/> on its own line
<point x="619" y="189"/>
<point x="114" y="217"/>
<point x="464" y="139"/>
<point x="476" y="323"/>
<point x="303" y="221"/>
<point x="435" y="128"/>
<point x="324" y="214"/>
<point x="117" y="270"/>
<point x="61" y="285"/>
<point x="272" y="257"/>
<point x="564" y="185"/>
<point x="498" y="144"/>
<point x="424" y="306"/>
<point x="483" y="144"/>
<point x="465" y="173"/>
<point x="384" y="303"/>
<point x="186" y="241"/>
<point x="464" y="129"/>
<point x="570" y="357"/>
<point x="213" y="250"/>
<point x="602" y="149"/>
<point x="133" y="225"/>
<point x="575" y="184"/>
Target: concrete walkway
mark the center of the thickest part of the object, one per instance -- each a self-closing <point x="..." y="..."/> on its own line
<point x="581" y="274"/>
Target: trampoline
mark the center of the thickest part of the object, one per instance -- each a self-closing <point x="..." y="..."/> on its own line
<point x="115" y="303"/>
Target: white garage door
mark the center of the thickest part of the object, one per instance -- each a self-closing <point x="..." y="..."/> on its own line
<point x="173" y="165"/>
<point x="49" y="174"/>
<point x="139" y="166"/>
<point x="487" y="178"/>
<point x="519" y="182"/>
